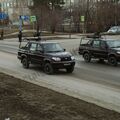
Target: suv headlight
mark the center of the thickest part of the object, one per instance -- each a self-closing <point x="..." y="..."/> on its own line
<point x="56" y="58"/>
<point x="118" y="52"/>
<point x="72" y="58"/>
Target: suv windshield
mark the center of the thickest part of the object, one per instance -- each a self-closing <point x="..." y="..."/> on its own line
<point x="113" y="43"/>
<point x="52" y="47"/>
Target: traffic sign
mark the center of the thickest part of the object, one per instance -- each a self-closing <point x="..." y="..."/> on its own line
<point x="24" y="17"/>
<point x="33" y="18"/>
<point x="3" y="16"/>
<point x="82" y="18"/>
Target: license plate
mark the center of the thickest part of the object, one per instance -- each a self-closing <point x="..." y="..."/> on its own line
<point x="66" y="64"/>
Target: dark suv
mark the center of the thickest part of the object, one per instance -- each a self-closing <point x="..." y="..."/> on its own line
<point x="50" y="55"/>
<point x="102" y="49"/>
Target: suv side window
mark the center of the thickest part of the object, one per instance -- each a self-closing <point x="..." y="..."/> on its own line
<point x="96" y="43"/>
<point x="39" y="48"/>
<point x="33" y="47"/>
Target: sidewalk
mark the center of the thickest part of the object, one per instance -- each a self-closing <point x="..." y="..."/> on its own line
<point x="25" y="101"/>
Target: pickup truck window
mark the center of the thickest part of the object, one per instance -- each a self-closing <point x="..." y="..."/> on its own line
<point x="96" y="43"/>
<point x="33" y="47"/>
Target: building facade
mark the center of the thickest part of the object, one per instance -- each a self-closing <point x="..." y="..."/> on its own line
<point x="15" y="8"/>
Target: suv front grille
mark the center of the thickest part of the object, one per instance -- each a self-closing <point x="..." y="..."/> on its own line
<point x="66" y="59"/>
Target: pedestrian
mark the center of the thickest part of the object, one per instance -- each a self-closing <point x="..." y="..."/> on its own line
<point x="2" y="34"/>
<point x="20" y="37"/>
<point x="38" y="34"/>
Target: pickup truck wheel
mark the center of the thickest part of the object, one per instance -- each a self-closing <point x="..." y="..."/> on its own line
<point x="25" y="63"/>
<point x="87" y="57"/>
<point x="70" y="69"/>
<point x="48" y="69"/>
<point x="112" y="61"/>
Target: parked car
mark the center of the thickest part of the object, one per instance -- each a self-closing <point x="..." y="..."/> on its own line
<point x="114" y="30"/>
<point x="102" y="49"/>
<point x="49" y="55"/>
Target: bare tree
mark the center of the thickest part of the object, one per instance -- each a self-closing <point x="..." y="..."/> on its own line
<point x="99" y="15"/>
<point x="49" y="13"/>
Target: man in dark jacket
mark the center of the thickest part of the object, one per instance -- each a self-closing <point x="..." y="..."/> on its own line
<point x="20" y="37"/>
<point x="2" y="34"/>
<point x="38" y="34"/>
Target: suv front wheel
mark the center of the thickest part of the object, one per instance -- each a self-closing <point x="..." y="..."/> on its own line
<point x="87" y="57"/>
<point x="25" y="63"/>
<point x="112" y="60"/>
<point x="48" y="69"/>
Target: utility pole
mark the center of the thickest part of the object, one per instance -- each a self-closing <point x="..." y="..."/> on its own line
<point x="115" y="12"/>
<point x="1" y="23"/>
<point x="70" y="20"/>
<point x="86" y="16"/>
<point x="97" y="18"/>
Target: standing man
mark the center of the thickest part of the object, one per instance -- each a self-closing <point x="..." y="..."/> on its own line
<point x="2" y="34"/>
<point x="38" y="34"/>
<point x="20" y="38"/>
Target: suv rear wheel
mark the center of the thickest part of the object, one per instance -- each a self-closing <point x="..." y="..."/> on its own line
<point x="48" y="69"/>
<point x="112" y="60"/>
<point x="87" y="57"/>
<point x="25" y="63"/>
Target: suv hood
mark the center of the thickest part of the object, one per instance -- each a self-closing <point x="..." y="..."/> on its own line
<point x="59" y="54"/>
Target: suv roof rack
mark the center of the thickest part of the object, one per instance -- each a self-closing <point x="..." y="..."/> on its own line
<point x="33" y="39"/>
<point x="95" y="35"/>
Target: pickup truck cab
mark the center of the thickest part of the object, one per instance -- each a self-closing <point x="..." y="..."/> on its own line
<point x="49" y="55"/>
<point x="102" y="49"/>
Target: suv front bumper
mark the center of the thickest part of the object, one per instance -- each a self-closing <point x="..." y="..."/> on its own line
<point x="62" y="65"/>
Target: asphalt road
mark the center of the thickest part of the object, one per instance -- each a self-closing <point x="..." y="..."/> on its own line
<point x="106" y="74"/>
<point x="94" y="82"/>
